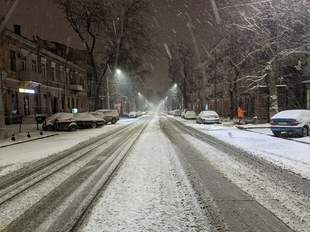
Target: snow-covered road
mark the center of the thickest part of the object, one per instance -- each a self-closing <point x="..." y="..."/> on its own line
<point x="17" y="156"/>
<point x="149" y="193"/>
<point x="287" y="154"/>
<point x="176" y="176"/>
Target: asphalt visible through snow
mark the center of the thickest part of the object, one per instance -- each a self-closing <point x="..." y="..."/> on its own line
<point x="156" y="174"/>
<point x="230" y="207"/>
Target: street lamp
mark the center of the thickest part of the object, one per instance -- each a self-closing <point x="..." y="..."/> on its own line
<point x="118" y="72"/>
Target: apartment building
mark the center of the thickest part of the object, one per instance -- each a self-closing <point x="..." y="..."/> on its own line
<point x="36" y="80"/>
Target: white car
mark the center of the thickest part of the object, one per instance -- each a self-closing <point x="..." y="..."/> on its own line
<point x="291" y="122"/>
<point x="132" y="114"/>
<point x="190" y="114"/>
<point x="208" y="117"/>
<point x="183" y="113"/>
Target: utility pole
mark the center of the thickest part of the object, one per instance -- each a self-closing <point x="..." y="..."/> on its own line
<point x="2" y="26"/>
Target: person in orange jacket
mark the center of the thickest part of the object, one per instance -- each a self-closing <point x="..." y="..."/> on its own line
<point x="241" y="114"/>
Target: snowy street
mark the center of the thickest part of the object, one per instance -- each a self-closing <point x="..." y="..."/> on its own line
<point x="154" y="116"/>
<point x="156" y="173"/>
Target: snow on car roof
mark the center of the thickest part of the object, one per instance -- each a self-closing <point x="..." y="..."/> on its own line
<point x="85" y="116"/>
<point x="292" y="114"/>
<point x="61" y="116"/>
<point x="210" y="112"/>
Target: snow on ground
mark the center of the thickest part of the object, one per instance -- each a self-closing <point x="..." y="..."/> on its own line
<point x="285" y="153"/>
<point x="16" y="156"/>
<point x="267" y="131"/>
<point x="282" y="201"/>
<point x="149" y="193"/>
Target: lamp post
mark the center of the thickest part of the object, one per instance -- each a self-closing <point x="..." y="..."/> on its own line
<point x="117" y="72"/>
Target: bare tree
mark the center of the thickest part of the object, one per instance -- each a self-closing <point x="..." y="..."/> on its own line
<point x="276" y="31"/>
<point x="108" y="29"/>
<point x="181" y="69"/>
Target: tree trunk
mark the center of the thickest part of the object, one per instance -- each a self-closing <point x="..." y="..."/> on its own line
<point x="185" y="101"/>
<point x="233" y="94"/>
<point x="273" y="95"/>
<point x="94" y="94"/>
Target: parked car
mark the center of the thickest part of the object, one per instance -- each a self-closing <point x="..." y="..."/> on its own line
<point x="291" y="122"/>
<point x="190" y="114"/>
<point x="60" y="122"/>
<point x="177" y="113"/>
<point x="139" y="114"/>
<point x="183" y="113"/>
<point x="132" y="114"/>
<point x="87" y="120"/>
<point x="71" y="122"/>
<point x="208" y="117"/>
<point x="111" y="116"/>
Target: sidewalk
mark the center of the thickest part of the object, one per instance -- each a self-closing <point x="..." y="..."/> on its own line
<point x="21" y="137"/>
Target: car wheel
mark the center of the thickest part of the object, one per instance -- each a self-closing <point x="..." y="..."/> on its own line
<point x="93" y="125"/>
<point x="277" y="134"/>
<point x="305" y="131"/>
<point x="73" y="128"/>
<point x="50" y="128"/>
<point x="113" y="121"/>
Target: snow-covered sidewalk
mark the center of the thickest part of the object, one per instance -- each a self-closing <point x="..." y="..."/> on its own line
<point x="15" y="157"/>
<point x="284" y="153"/>
<point x="149" y="193"/>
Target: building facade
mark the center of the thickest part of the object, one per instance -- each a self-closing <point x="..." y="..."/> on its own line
<point x="36" y="81"/>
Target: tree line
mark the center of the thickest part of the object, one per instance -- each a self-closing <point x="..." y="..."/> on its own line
<point x="260" y="43"/>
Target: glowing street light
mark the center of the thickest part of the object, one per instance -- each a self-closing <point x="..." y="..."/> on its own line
<point x="118" y="72"/>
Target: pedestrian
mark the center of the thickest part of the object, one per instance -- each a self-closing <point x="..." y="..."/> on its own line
<point x="241" y="114"/>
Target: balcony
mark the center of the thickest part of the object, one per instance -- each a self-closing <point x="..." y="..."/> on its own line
<point x="76" y="87"/>
<point x="29" y="76"/>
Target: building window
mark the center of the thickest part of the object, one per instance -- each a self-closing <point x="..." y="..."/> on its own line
<point x="34" y="65"/>
<point x="13" y="60"/>
<point x="53" y="71"/>
<point x="61" y="74"/>
<point x="15" y="103"/>
<point x="43" y="68"/>
<point x="23" y="65"/>
<point x="26" y="105"/>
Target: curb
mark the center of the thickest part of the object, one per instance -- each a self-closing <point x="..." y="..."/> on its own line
<point x="252" y="128"/>
<point x="289" y="139"/>
<point x="26" y="141"/>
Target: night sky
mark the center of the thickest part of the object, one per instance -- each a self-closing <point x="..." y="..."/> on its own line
<point x="43" y="18"/>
